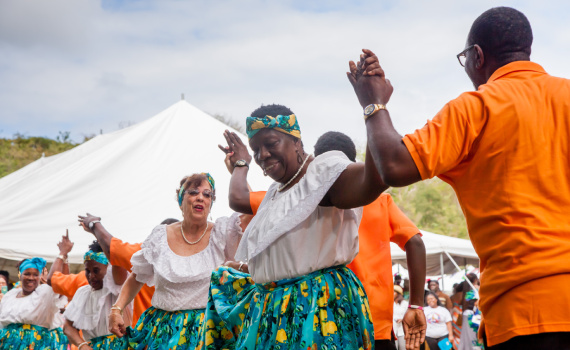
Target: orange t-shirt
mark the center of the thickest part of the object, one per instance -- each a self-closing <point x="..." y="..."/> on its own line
<point x="68" y="284"/>
<point x="382" y="222"/>
<point x="505" y="151"/>
<point x="121" y="254"/>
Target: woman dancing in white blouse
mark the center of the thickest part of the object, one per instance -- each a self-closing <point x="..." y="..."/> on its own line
<point x="178" y="260"/>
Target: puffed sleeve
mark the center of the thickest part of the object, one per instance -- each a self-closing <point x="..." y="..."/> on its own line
<point x="144" y="259"/>
<point x="228" y="233"/>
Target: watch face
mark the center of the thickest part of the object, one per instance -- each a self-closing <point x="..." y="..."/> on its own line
<point x="369" y="109"/>
<point x="240" y="162"/>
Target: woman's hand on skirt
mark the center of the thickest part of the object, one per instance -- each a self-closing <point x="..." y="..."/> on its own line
<point x="117" y="324"/>
<point x="238" y="265"/>
<point x="414" y="328"/>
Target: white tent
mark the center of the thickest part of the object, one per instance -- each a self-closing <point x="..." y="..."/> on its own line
<point x="443" y="253"/>
<point x="127" y="177"/>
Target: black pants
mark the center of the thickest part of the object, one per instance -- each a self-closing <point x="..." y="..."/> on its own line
<point x="541" y="341"/>
<point x="432" y="342"/>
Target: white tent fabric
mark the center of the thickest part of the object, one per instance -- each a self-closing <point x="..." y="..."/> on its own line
<point x="127" y="177"/>
<point x="437" y="249"/>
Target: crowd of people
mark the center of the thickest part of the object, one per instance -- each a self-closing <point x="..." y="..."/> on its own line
<point x="306" y="264"/>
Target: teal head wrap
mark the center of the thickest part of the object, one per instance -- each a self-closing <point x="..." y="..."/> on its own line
<point x="182" y="189"/>
<point x="36" y="263"/>
<point x="286" y="124"/>
<point x="98" y="257"/>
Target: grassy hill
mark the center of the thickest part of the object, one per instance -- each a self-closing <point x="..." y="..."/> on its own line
<point x="20" y="150"/>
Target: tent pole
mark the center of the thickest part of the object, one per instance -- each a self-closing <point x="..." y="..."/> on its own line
<point x="441" y="263"/>
<point x="458" y="268"/>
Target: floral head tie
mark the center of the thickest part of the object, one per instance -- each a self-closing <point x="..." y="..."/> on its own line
<point x="284" y="123"/>
<point x="98" y="257"/>
<point x="36" y="263"/>
<point x="181" y="190"/>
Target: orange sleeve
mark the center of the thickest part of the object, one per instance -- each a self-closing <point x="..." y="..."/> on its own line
<point x="446" y="140"/>
<point x="402" y="228"/>
<point x="255" y="199"/>
<point x="67" y="284"/>
<point x="122" y="252"/>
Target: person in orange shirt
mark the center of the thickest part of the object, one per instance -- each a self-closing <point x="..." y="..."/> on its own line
<point x="59" y="278"/>
<point x="504" y="149"/>
<point x="382" y="222"/>
<point x="119" y="253"/>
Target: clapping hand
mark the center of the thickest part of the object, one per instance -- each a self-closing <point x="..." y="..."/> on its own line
<point x="369" y="81"/>
<point x="236" y="150"/>
<point x="414" y="328"/>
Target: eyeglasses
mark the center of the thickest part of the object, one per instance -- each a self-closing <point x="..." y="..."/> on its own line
<point x="461" y="56"/>
<point x="194" y="193"/>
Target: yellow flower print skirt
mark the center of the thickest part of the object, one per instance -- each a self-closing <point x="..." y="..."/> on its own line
<point x="18" y="336"/>
<point x="326" y="310"/>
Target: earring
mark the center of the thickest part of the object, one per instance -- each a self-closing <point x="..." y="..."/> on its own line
<point x="264" y="173"/>
<point x="299" y="158"/>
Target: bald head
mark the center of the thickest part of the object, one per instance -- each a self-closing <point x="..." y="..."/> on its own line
<point x="502" y="33"/>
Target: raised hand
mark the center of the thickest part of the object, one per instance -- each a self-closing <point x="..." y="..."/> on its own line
<point x="414" y="328"/>
<point x="236" y="148"/>
<point x="85" y="220"/>
<point x="368" y="80"/>
<point x="65" y="245"/>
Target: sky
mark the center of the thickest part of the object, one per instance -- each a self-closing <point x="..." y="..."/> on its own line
<point x="87" y="66"/>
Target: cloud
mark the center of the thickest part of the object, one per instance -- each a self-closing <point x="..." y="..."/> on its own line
<point x="82" y="65"/>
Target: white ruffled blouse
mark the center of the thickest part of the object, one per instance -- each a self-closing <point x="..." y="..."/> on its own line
<point x="89" y="310"/>
<point x="292" y="235"/>
<point x="40" y="308"/>
<point x="182" y="282"/>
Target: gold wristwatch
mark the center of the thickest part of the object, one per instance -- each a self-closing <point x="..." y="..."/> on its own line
<point x="371" y="109"/>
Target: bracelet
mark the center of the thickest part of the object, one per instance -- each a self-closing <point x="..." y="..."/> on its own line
<point x="115" y="307"/>
<point x="84" y="343"/>
<point x="415" y="307"/>
<point x="240" y="265"/>
<point x="63" y="258"/>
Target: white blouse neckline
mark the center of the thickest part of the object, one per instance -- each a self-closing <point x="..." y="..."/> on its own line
<point x="187" y="256"/>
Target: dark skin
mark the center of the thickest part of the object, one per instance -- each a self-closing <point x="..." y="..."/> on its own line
<point x="65" y="246"/>
<point x="276" y="153"/>
<point x="95" y="273"/>
<point x="415" y="249"/>
<point x="30" y="280"/>
<point x="102" y="236"/>
<point x="391" y="156"/>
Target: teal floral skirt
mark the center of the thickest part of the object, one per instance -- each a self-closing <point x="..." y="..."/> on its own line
<point x="18" y="336"/>
<point x="326" y="310"/>
<point x="109" y="342"/>
<point x="59" y="340"/>
<point x="164" y="330"/>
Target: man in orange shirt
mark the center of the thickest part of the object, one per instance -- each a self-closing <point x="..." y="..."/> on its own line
<point x="504" y="148"/>
<point x="382" y="222"/>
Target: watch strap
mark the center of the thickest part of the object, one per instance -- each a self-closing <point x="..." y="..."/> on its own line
<point x="92" y="223"/>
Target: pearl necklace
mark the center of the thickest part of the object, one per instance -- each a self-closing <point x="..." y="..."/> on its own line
<point x="281" y="188"/>
<point x="199" y="239"/>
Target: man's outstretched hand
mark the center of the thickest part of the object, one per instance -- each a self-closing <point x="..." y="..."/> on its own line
<point x="369" y="81"/>
<point x="414" y="328"/>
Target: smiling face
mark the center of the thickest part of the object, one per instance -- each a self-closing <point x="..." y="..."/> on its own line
<point x="197" y="201"/>
<point x="431" y="301"/>
<point x="95" y="273"/>
<point x="30" y="279"/>
<point x="276" y="153"/>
